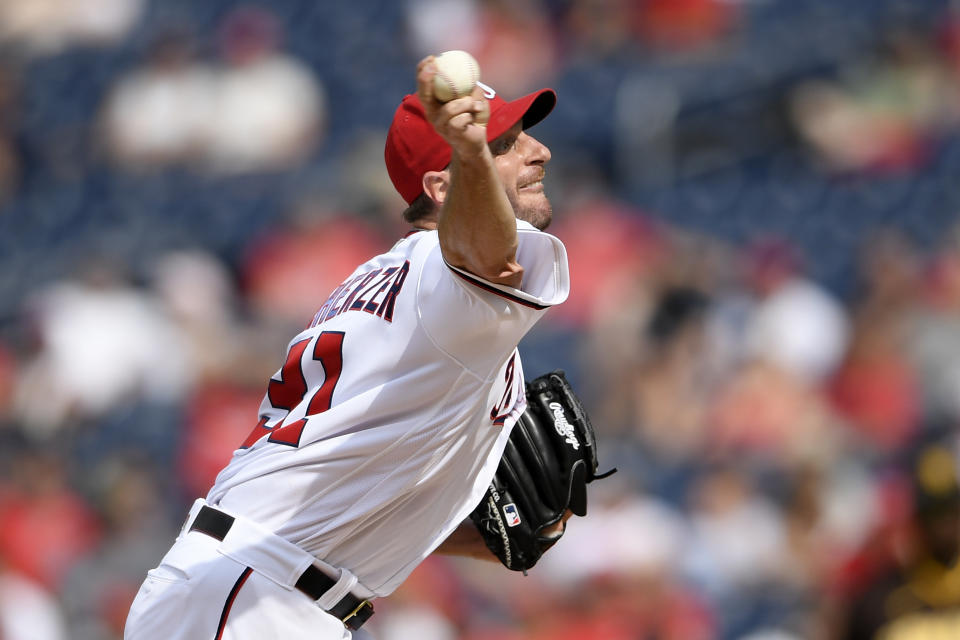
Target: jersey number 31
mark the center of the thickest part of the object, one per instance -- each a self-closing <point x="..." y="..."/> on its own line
<point x="290" y="390"/>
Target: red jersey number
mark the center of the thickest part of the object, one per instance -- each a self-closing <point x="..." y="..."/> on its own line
<point x="289" y="391"/>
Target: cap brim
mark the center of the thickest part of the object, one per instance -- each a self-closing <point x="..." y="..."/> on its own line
<point x="531" y="109"/>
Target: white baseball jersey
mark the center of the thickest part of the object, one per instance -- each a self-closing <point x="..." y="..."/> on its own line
<point x="384" y="426"/>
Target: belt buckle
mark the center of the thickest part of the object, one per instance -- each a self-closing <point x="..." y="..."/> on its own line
<point x="356" y="613"/>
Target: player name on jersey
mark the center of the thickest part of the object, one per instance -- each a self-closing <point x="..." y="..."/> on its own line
<point x="374" y="292"/>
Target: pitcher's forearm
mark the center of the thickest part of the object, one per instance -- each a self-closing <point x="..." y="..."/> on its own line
<point x="466" y="541"/>
<point x="477" y="224"/>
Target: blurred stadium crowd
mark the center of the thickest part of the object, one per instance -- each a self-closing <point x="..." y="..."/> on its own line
<point x="759" y="199"/>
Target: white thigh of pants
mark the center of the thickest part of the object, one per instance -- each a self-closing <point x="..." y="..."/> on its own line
<point x="198" y="594"/>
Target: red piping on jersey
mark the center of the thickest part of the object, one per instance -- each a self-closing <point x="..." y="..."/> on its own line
<point x="412" y="231"/>
<point x="486" y="287"/>
<point x="229" y="603"/>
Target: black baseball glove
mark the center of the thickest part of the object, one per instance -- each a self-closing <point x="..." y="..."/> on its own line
<point x="546" y="466"/>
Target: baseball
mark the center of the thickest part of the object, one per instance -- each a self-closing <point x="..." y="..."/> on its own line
<point x="457" y="75"/>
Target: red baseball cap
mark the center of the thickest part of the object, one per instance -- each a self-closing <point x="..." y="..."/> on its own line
<point x="414" y="147"/>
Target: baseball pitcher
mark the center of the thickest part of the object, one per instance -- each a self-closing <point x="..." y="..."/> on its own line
<point x="386" y="432"/>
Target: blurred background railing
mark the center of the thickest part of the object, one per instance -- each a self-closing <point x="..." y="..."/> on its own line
<point x="759" y="199"/>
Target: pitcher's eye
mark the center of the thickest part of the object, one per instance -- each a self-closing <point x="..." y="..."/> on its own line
<point x="501" y="145"/>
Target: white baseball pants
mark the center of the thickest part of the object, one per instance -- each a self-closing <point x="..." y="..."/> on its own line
<point x="205" y="588"/>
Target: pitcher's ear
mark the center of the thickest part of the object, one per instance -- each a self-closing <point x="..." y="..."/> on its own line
<point x="435" y="185"/>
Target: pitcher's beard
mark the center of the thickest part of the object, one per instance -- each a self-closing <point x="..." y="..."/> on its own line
<point x="539" y="213"/>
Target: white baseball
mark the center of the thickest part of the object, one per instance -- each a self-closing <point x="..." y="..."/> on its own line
<point x="457" y="75"/>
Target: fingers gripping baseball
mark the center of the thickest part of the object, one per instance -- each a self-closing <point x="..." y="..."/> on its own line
<point x="456" y="121"/>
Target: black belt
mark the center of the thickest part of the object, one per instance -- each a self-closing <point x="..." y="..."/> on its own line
<point x="352" y="611"/>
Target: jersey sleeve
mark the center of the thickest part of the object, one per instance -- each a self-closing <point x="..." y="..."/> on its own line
<point x="476" y="322"/>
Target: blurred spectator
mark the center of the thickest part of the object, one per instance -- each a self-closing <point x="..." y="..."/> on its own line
<point x="672" y="387"/>
<point x="797" y="325"/>
<point x="777" y="345"/>
<point x="364" y="187"/>
<point x="98" y="590"/>
<point x="768" y="416"/>
<point x="27" y="610"/>
<point x="827" y="513"/>
<point x="269" y="110"/>
<point x="200" y="297"/>
<point x="724" y="505"/>
<point x="289" y="272"/>
<point x="808" y="540"/>
<point x="420" y="622"/>
<point x="877" y="389"/>
<point x="615" y="255"/>
<point x="933" y="333"/>
<point x="678" y="26"/>
<point x="629" y="533"/>
<point x="661" y="400"/>
<point x="259" y="110"/>
<point x="435" y="26"/>
<point x="614" y="251"/>
<point x="496" y="32"/>
<point x="102" y="344"/>
<point x="738" y="551"/>
<point x="431" y="604"/>
<point x="159" y="113"/>
<point x="46" y="27"/>
<point x="913" y="593"/>
<point x="219" y="417"/>
<point x="620" y="608"/>
<point x="884" y="113"/>
<point x="514" y="30"/>
<point x="45" y="526"/>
